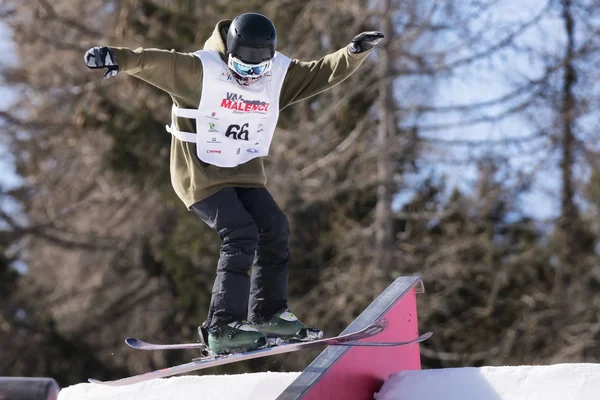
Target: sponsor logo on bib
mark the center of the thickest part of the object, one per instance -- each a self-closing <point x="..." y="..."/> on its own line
<point x="226" y="75"/>
<point x="237" y="103"/>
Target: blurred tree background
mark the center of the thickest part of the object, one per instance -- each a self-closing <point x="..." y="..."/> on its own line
<point x="431" y="160"/>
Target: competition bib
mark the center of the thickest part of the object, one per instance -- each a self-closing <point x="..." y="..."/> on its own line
<point x="234" y="123"/>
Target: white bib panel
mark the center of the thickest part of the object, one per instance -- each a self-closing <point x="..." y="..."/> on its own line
<point x="234" y="123"/>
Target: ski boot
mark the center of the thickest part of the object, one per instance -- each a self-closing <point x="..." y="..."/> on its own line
<point x="285" y="327"/>
<point x="235" y="337"/>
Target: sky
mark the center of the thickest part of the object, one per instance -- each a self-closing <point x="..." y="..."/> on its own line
<point x="486" y="80"/>
<point x="8" y="177"/>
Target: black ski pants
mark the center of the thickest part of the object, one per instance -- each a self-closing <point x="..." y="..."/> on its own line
<point x="255" y="235"/>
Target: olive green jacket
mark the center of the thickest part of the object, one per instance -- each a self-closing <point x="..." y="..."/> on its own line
<point x="180" y="75"/>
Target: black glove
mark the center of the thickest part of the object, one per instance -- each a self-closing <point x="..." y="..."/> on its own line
<point x="365" y="41"/>
<point x="102" y="57"/>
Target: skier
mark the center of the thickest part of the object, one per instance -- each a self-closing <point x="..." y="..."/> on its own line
<point x="226" y="102"/>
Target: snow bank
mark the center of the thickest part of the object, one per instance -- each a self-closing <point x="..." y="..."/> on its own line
<point x="557" y="382"/>
<point x="259" y="386"/>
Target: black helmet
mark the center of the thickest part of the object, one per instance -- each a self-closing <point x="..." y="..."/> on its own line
<point x="252" y="38"/>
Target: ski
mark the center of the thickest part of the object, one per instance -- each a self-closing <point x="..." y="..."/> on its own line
<point x="370" y="330"/>
<point x="418" y="339"/>
<point x="141" y="345"/>
<point x="138" y="344"/>
<point x="349" y="339"/>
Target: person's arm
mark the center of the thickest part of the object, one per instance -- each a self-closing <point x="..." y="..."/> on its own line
<point x="306" y="79"/>
<point x="175" y="73"/>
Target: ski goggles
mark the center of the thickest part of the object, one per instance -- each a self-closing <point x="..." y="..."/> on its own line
<point x="248" y="70"/>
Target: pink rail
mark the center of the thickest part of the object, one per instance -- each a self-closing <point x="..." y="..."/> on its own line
<point x="358" y="372"/>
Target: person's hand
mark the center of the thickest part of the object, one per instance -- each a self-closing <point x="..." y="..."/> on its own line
<point x="365" y="41"/>
<point x="102" y="57"/>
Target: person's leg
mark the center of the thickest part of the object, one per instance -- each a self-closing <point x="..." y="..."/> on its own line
<point x="269" y="283"/>
<point x="225" y="213"/>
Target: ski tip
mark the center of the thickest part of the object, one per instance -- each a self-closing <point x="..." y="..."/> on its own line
<point x="133" y="342"/>
<point x="92" y="380"/>
<point x="427" y="335"/>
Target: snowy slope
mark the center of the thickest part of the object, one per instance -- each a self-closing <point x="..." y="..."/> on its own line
<point x="260" y="386"/>
<point x="556" y="382"/>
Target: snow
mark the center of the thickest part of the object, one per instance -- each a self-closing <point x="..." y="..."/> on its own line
<point x="556" y="382"/>
<point x="258" y="386"/>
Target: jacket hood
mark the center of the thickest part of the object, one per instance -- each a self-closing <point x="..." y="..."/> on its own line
<point x="217" y="41"/>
